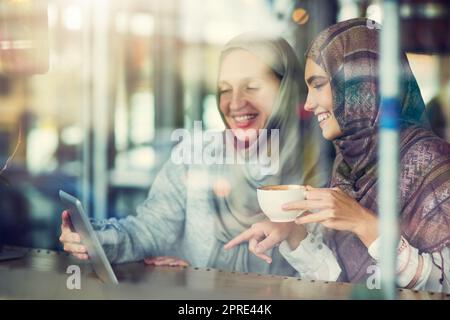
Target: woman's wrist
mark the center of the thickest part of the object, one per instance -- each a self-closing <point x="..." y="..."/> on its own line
<point x="297" y="234"/>
<point x="367" y="229"/>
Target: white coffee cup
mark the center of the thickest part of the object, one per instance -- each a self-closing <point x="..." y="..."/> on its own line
<point x="272" y="198"/>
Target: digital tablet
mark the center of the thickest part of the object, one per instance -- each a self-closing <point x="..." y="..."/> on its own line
<point x="83" y="227"/>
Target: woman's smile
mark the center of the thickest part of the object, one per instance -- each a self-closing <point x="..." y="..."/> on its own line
<point x="323" y="117"/>
<point x="320" y="100"/>
<point x="244" y="120"/>
<point x="247" y="92"/>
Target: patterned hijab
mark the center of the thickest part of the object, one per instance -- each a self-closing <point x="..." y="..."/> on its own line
<point x="349" y="53"/>
<point x="237" y="211"/>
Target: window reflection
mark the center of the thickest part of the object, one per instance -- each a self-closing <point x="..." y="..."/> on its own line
<point x="100" y="98"/>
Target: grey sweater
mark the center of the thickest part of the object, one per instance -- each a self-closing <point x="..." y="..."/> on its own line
<point x="175" y="219"/>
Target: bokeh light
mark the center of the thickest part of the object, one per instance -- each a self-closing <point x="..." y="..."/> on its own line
<point x="300" y="16"/>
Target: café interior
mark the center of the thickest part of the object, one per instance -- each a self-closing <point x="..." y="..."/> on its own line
<point x="90" y="91"/>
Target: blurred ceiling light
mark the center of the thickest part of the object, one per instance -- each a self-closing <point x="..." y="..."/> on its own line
<point x="434" y="10"/>
<point x="72" y="135"/>
<point x="374" y="12"/>
<point x="42" y="143"/>
<point x="348" y="10"/>
<point x="300" y="16"/>
<point x="142" y="117"/>
<point x="142" y="24"/>
<point x="141" y="158"/>
<point x="15" y="44"/>
<point x="211" y="115"/>
<point x="72" y="17"/>
<point x="282" y="8"/>
<point x="122" y="22"/>
<point x="52" y="13"/>
<point x="428" y="10"/>
<point x="220" y="31"/>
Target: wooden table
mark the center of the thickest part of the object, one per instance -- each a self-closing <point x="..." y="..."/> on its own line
<point x="41" y="274"/>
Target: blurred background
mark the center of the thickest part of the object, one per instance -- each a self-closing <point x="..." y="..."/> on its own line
<point x="90" y="90"/>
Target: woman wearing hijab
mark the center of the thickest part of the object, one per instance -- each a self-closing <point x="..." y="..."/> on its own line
<point x="343" y="92"/>
<point x="193" y="210"/>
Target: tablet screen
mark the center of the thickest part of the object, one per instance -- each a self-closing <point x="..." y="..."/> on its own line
<point x="83" y="227"/>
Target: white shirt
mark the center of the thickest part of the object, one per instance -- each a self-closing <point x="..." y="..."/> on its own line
<point x="314" y="260"/>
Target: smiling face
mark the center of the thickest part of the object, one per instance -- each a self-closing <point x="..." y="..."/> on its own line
<point x="247" y="92"/>
<point x="320" y="100"/>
